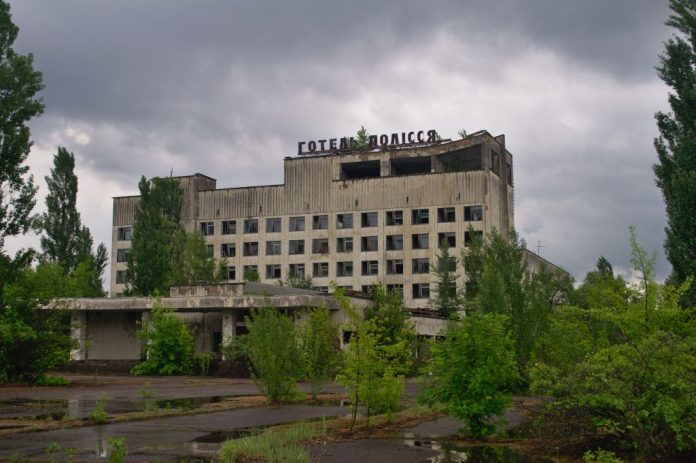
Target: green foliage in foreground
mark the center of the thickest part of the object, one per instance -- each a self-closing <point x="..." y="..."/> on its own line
<point x="52" y="381"/>
<point x="272" y="446"/>
<point x="471" y="370"/>
<point x="600" y="456"/>
<point x="320" y="352"/>
<point x="168" y="344"/>
<point x="274" y="353"/>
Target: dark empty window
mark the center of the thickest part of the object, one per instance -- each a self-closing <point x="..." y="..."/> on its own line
<point x="368" y="219"/>
<point x="273" y="271"/>
<point x="273" y="225"/>
<point x="410" y="166"/>
<point x="251" y="248"/>
<point x="369" y="267"/>
<point x="420" y="241"/>
<point x="251" y="226"/>
<point x="396" y="288"/>
<point x="231" y="272"/>
<point x="122" y="255"/>
<point x="395" y="267"/>
<point x="320" y="269"/>
<point x="296" y="247"/>
<point x="448" y="238"/>
<point x="420" y="216"/>
<point x="296" y="224"/>
<point x="344" y="244"/>
<point x="395" y="218"/>
<point x="361" y="169"/>
<point x="320" y="246"/>
<point x="465" y="159"/>
<point x="420" y="265"/>
<point x="344" y="269"/>
<point x="368" y="243"/>
<point x="272" y="248"/>
<point x="421" y="290"/>
<point x="473" y="213"/>
<point x="395" y="242"/>
<point x="229" y="227"/>
<point x="445" y="214"/>
<point x="296" y="270"/>
<point x="228" y="250"/>
<point x="120" y="277"/>
<point x="344" y="221"/>
<point x="320" y="222"/>
<point x="207" y="228"/>
<point x="124" y="233"/>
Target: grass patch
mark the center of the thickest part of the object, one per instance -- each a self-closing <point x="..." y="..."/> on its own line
<point x="52" y="381"/>
<point x="272" y="446"/>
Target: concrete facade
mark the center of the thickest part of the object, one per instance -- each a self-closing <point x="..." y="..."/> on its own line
<point x="401" y="202"/>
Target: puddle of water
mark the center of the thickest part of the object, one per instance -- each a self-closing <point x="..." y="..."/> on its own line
<point x="474" y="454"/>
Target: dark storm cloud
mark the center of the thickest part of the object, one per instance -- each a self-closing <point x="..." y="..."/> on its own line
<point x="228" y="88"/>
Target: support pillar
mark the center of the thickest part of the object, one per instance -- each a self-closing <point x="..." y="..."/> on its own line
<point x="78" y="333"/>
<point x="144" y="324"/>
<point x="229" y="326"/>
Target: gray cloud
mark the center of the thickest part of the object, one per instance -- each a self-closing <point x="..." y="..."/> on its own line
<point x="227" y="89"/>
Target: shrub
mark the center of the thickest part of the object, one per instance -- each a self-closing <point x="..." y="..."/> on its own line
<point x="117" y="449"/>
<point x="272" y="446"/>
<point x="98" y="414"/>
<point x="52" y="381"/>
<point x="168" y="344"/>
<point x="320" y="353"/>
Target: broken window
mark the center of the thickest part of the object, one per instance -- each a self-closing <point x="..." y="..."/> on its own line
<point x="395" y="267"/>
<point x="369" y="267"/>
<point x="296" y="224"/>
<point x="420" y="265"/>
<point x="368" y="219"/>
<point x="468" y="238"/>
<point x="368" y="243"/>
<point x="462" y="160"/>
<point x="120" y="277"/>
<point x="344" y="221"/>
<point x="410" y="165"/>
<point x="296" y="270"/>
<point x="122" y="255"/>
<point x="445" y="214"/>
<point x="250" y="248"/>
<point x="421" y="290"/>
<point x="251" y="226"/>
<point x="395" y="242"/>
<point x="473" y="213"/>
<point x="273" y="248"/>
<point x="361" y="169"/>
<point x="273" y="271"/>
<point x="448" y="238"/>
<point x="273" y="225"/>
<point x="296" y="247"/>
<point x="207" y="228"/>
<point x="231" y="272"/>
<point x="320" y="222"/>
<point x="320" y="269"/>
<point x="229" y="227"/>
<point x="396" y="288"/>
<point x="124" y="233"/>
<point x="320" y="246"/>
<point x="420" y="216"/>
<point x="395" y="218"/>
<point x="344" y="269"/>
<point x="344" y="244"/>
<point x="420" y="241"/>
<point x="228" y="250"/>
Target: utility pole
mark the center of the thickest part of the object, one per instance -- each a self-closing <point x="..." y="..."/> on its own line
<point x="539" y="246"/>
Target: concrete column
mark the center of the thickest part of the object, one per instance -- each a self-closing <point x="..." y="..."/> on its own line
<point x="144" y="322"/>
<point x="229" y="326"/>
<point x="78" y="333"/>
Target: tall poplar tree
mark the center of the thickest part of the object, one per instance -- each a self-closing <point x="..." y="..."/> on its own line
<point x="19" y="84"/>
<point x="676" y="145"/>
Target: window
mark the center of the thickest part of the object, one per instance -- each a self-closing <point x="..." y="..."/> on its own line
<point x="228" y="250"/>
<point x="447" y="237"/>
<point x="420" y="266"/>
<point x="369" y="267"/>
<point x="320" y="269"/>
<point x="420" y="241"/>
<point x="207" y="228"/>
<point x="395" y="242"/>
<point x="210" y="250"/>
<point x="420" y="216"/>
<point x="320" y="222"/>
<point x="421" y="290"/>
<point x="296" y="270"/>
<point x="344" y="244"/>
<point x="273" y="225"/>
<point x="122" y="255"/>
<point x="120" y="277"/>
<point x="229" y="227"/>
<point x="296" y="224"/>
<point x="251" y="226"/>
<point x="344" y="221"/>
<point x="251" y="248"/>
<point x="468" y="238"/>
<point x="447" y="264"/>
<point x="231" y="272"/>
<point x="395" y="217"/>
<point x="124" y="233"/>
<point x="473" y="213"/>
<point x="296" y="247"/>
<point x="368" y="243"/>
<point x="251" y="272"/>
<point x="395" y="267"/>
<point x="445" y="214"/>
<point x="272" y="248"/>
<point x="321" y="289"/>
<point x="272" y="271"/>
<point x="320" y="246"/>
<point x="367" y="289"/>
<point x="368" y="219"/>
<point x="344" y="269"/>
<point x="396" y="288"/>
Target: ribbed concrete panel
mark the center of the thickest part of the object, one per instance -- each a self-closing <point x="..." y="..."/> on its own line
<point x="124" y="210"/>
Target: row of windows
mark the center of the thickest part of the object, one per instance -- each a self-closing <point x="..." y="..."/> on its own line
<point x="343" y="245"/>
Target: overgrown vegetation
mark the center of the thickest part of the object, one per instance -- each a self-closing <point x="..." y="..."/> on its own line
<point x="271" y="446"/>
<point x="319" y="349"/>
<point x="168" y="344"/>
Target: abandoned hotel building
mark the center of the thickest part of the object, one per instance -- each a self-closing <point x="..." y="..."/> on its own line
<point x="353" y="217"/>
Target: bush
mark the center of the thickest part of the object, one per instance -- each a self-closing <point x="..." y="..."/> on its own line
<point x="52" y="381"/>
<point x="600" y="456"/>
<point x="168" y="344"/>
<point x="272" y="446"/>
<point x="320" y="352"/>
<point x="471" y="372"/>
<point x="274" y="354"/>
<point x="98" y="414"/>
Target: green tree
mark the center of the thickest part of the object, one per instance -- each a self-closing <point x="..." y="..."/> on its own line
<point x="251" y="274"/>
<point x="168" y="344"/>
<point x="296" y="280"/>
<point x="156" y="226"/>
<point x="320" y="353"/>
<point x="600" y="289"/>
<point x="472" y="259"/>
<point x="19" y="84"/>
<point x="362" y="140"/>
<point x="274" y="353"/>
<point x="472" y="370"/>
<point x="447" y="300"/>
<point x="676" y="145"/>
<point x="190" y="260"/>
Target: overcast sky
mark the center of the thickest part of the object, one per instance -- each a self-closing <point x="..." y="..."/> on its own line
<point x="227" y="89"/>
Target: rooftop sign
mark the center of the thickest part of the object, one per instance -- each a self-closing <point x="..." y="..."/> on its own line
<point x="346" y="144"/>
